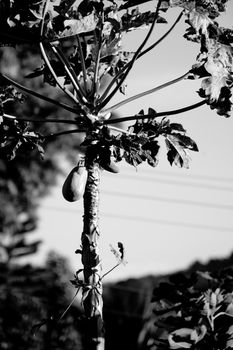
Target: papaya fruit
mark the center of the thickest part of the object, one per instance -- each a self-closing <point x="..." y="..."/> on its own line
<point x="75" y="183"/>
<point x="106" y="162"/>
<point x="110" y="166"/>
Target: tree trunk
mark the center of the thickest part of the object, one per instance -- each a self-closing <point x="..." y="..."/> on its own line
<point x="92" y="289"/>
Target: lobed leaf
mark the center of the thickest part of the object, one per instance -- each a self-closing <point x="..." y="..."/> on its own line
<point x="78" y="26"/>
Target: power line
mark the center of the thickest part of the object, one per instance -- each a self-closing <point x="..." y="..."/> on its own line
<point x="151" y="220"/>
<point x="169" y="223"/>
<point x="168" y="200"/>
<point x="185" y="175"/>
<point x="177" y="183"/>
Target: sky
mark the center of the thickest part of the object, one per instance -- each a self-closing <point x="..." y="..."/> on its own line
<point x="166" y="217"/>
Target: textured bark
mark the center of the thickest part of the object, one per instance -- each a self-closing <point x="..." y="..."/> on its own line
<point x="92" y="290"/>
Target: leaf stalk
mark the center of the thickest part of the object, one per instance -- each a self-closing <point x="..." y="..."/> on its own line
<point x="139" y="56"/>
<point x="145" y="93"/>
<point x="157" y="115"/>
<point x="42" y="97"/>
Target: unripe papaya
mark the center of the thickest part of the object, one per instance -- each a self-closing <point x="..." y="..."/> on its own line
<point x="111" y="166"/>
<point x="106" y="162"/>
<point x="75" y="183"/>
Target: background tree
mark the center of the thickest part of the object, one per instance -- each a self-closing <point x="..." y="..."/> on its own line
<point x="165" y="315"/>
<point x="80" y="44"/>
<point x="23" y="182"/>
<point x="193" y="311"/>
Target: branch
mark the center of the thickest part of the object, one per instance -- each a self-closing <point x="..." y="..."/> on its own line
<point x="140" y="55"/>
<point x="160" y="114"/>
<point x="69" y="306"/>
<point x="113" y="268"/>
<point x="144" y="93"/>
<point x="42" y="97"/>
<point x="65" y="121"/>
<point x="103" y="103"/>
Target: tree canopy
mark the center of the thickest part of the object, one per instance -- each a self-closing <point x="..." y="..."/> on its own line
<point x="80" y="44"/>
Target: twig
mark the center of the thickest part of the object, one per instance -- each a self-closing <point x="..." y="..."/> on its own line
<point x="42" y="97"/>
<point x="106" y="273"/>
<point x="157" y="115"/>
<point x="144" y="93"/>
<point x="69" y="306"/>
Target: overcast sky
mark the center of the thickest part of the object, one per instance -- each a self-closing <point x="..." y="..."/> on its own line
<point x="166" y="217"/>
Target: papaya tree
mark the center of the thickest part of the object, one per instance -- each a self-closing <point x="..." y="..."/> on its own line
<point x="80" y="44"/>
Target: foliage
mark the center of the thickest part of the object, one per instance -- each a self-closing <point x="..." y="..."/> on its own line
<point x="140" y="143"/>
<point x="80" y="43"/>
<point x="193" y="312"/>
<point x="25" y="301"/>
<point x="23" y="180"/>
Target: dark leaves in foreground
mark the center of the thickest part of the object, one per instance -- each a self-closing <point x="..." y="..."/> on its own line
<point x="15" y="135"/>
<point x="194" y="312"/>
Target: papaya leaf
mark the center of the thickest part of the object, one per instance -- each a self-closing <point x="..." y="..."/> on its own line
<point x="218" y="95"/>
<point x="9" y="93"/>
<point x="176" y="153"/>
<point x="136" y="19"/>
<point x="185" y="141"/>
<point x="177" y="127"/>
<point x="130" y="3"/>
<point x="152" y="148"/>
<point x="63" y="7"/>
<point x="78" y="26"/>
<point x="14" y="135"/>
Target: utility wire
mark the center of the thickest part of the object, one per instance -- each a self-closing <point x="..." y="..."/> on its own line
<point x="178" y="183"/>
<point x="139" y="171"/>
<point x="137" y="218"/>
<point x="169" y="223"/>
<point x="168" y="200"/>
